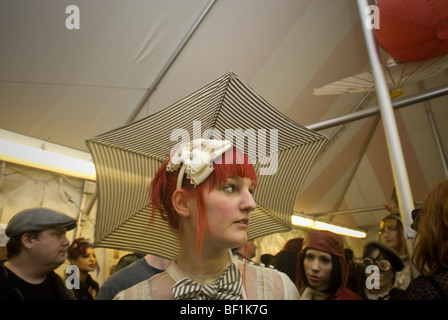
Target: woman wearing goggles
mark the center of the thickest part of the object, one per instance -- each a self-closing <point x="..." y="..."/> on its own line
<point x="381" y="265"/>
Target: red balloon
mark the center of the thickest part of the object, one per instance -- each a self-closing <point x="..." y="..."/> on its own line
<point x="413" y="30"/>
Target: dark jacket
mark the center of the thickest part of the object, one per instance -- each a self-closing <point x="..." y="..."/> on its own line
<point x="433" y="287"/>
<point x="9" y="292"/>
<point x="88" y="289"/>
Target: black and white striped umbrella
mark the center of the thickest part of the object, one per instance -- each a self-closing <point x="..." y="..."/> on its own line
<point x="127" y="158"/>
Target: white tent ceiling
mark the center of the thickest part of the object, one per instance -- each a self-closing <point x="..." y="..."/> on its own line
<point x="64" y="86"/>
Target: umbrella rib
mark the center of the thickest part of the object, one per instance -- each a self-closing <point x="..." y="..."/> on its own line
<point x="114" y="146"/>
<point x="393" y="84"/>
<point x="427" y="66"/>
<point x="402" y="79"/>
<point x="128" y="158"/>
<point x="274" y="215"/>
<point x="228" y="79"/>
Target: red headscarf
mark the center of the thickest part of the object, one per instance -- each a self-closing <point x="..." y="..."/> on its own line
<point x="328" y="242"/>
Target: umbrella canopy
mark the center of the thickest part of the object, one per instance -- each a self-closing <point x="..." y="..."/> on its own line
<point x="127" y="158"/>
<point x="398" y="76"/>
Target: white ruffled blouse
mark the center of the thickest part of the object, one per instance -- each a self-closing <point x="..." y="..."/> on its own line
<point x="259" y="283"/>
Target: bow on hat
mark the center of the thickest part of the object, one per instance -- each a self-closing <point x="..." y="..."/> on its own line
<point x="227" y="287"/>
<point x="195" y="158"/>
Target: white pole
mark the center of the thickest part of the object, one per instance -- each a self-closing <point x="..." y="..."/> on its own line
<point x="400" y="175"/>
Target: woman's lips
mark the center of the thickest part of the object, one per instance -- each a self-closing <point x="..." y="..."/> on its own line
<point x="313" y="278"/>
<point x="242" y="222"/>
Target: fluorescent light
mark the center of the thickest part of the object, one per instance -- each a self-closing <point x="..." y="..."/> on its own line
<point x="303" y="222"/>
<point x="319" y="225"/>
<point x="341" y="230"/>
<point x="44" y="155"/>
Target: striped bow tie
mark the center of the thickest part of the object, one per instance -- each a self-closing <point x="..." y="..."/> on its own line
<point x="227" y="287"/>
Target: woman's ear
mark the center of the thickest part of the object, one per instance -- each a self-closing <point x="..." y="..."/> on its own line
<point x="180" y="203"/>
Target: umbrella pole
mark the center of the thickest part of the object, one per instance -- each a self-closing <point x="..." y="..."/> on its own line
<point x="400" y="175"/>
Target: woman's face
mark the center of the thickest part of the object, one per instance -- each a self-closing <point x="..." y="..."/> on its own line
<point x="228" y="207"/>
<point x="86" y="263"/>
<point x="318" y="266"/>
<point x="384" y="278"/>
<point x="390" y="234"/>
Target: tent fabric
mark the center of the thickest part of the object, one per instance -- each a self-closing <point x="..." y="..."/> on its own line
<point x="64" y="86"/>
<point x="23" y="188"/>
<point x="398" y="76"/>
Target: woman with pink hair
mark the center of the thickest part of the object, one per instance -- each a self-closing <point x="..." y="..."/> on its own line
<point x="205" y="193"/>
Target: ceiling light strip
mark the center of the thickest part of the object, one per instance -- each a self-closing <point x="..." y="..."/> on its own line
<point x="31" y="152"/>
<point x="319" y="225"/>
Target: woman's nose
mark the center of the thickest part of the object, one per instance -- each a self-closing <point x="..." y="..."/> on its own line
<point x="248" y="203"/>
<point x="315" y="265"/>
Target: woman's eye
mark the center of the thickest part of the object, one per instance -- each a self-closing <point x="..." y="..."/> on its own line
<point x="325" y="260"/>
<point x="229" y="188"/>
<point x="309" y="256"/>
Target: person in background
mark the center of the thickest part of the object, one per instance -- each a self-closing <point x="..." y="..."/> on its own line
<point x="82" y="255"/>
<point x="349" y="255"/>
<point x="356" y="281"/>
<point x="294" y="244"/>
<point x="132" y="274"/>
<point x="247" y="251"/>
<point x="430" y="255"/>
<point x="392" y="234"/>
<point x="388" y="263"/>
<point x="266" y="258"/>
<point x="127" y="260"/>
<point x="322" y="271"/>
<point x="37" y="245"/>
<point x="286" y="259"/>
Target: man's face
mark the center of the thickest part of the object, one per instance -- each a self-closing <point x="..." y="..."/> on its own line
<point x="49" y="248"/>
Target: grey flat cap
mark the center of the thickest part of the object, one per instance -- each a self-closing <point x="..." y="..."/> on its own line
<point x="38" y="219"/>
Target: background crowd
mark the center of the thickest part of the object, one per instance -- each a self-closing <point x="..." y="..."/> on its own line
<point x="319" y="265"/>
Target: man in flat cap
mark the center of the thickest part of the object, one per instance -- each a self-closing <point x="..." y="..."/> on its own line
<point x="37" y="245"/>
